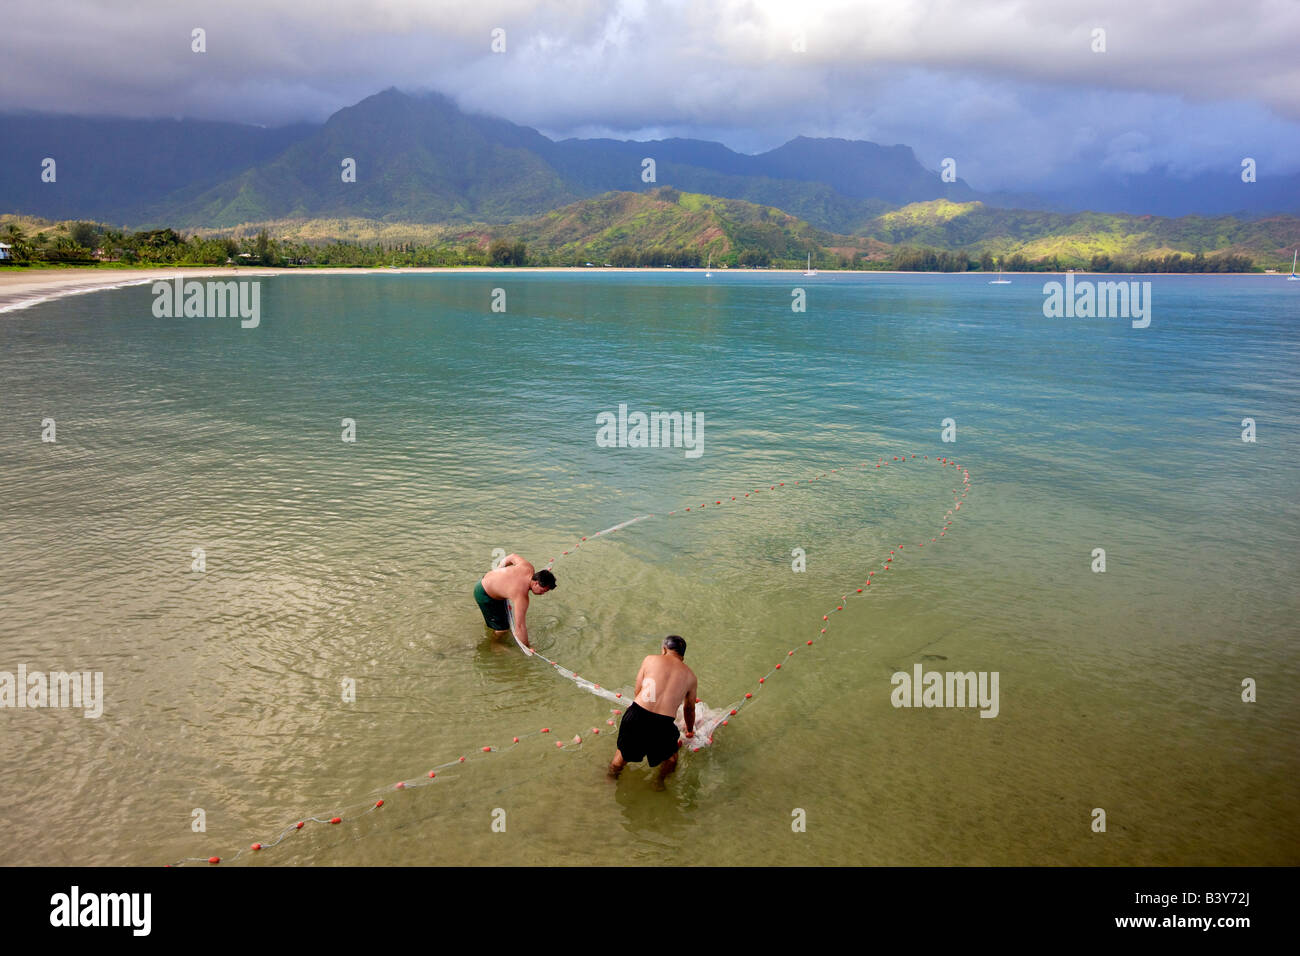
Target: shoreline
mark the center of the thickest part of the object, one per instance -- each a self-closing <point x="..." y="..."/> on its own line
<point x="22" y="288"/>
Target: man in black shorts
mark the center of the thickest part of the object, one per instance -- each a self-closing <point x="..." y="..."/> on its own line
<point x="648" y="731"/>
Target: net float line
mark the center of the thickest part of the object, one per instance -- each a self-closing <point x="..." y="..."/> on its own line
<point x="704" y="733"/>
<point x="704" y="730"/>
<point x="886" y="565"/>
<point x="354" y="811"/>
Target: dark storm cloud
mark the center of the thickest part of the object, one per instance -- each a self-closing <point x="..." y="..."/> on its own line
<point x="1013" y="89"/>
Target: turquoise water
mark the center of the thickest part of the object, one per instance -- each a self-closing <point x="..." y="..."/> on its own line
<point x="476" y="430"/>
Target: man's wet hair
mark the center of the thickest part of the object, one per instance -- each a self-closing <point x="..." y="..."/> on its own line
<point x="674" y="643"/>
<point x="545" y="578"/>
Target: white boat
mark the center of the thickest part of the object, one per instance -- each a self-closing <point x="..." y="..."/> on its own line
<point x="1293" y="277"/>
<point x="810" y="271"/>
<point x="708" y="274"/>
<point x="999" y="280"/>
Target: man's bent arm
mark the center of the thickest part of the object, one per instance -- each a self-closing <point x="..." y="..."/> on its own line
<point x="521" y="611"/>
<point x="688" y="707"/>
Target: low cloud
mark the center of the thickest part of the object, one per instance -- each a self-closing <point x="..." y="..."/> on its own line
<point x="1010" y="88"/>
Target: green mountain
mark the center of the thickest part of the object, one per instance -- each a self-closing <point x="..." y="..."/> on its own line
<point x="420" y="159"/>
<point x="666" y="219"/>
<point x="729" y="229"/>
<point x="417" y="160"/>
<point x="1076" y="237"/>
<point x="114" y="169"/>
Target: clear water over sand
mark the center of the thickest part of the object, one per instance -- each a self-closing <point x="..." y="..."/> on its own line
<point x="328" y="560"/>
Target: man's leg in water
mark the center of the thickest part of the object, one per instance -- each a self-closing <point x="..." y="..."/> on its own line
<point x="667" y="767"/>
<point x="617" y="764"/>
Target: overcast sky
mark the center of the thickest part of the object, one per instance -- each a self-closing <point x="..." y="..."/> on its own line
<point x="1010" y="88"/>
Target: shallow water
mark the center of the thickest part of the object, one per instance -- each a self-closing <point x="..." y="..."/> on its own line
<point x="476" y="430"/>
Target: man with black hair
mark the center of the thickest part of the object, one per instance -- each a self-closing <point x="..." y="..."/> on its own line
<point x="648" y="731"/>
<point x="513" y="580"/>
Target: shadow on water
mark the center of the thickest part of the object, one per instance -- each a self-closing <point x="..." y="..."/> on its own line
<point x="658" y="812"/>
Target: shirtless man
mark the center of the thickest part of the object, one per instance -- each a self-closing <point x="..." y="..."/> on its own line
<point x="513" y="581"/>
<point x="648" y="729"/>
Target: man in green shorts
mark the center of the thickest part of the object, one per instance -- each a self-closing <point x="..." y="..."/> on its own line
<point x="514" y="580"/>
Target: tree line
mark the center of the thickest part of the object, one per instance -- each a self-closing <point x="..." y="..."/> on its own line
<point x="910" y="259"/>
<point x="88" y="243"/>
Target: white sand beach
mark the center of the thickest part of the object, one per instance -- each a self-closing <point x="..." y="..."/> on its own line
<point x="20" y="289"/>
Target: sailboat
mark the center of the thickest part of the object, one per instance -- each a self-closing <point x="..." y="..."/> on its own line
<point x="707" y="273"/>
<point x="1293" y="277"/>
<point x="810" y="271"/>
<point x="999" y="280"/>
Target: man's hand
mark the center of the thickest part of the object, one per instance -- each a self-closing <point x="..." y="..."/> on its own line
<point x="690" y="734"/>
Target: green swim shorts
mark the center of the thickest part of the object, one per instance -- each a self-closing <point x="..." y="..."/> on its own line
<point x="495" y="613"/>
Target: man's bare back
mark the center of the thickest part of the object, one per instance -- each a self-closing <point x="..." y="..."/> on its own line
<point x="510" y="581"/>
<point x="664" y="683"/>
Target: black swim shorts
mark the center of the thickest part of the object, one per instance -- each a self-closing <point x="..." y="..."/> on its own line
<point x="643" y="734"/>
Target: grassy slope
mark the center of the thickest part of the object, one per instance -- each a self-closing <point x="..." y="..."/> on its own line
<point x="665" y="217"/>
<point x="1077" y="237"/>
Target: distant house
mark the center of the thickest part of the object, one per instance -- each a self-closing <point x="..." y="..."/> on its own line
<point x="6" y="251"/>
